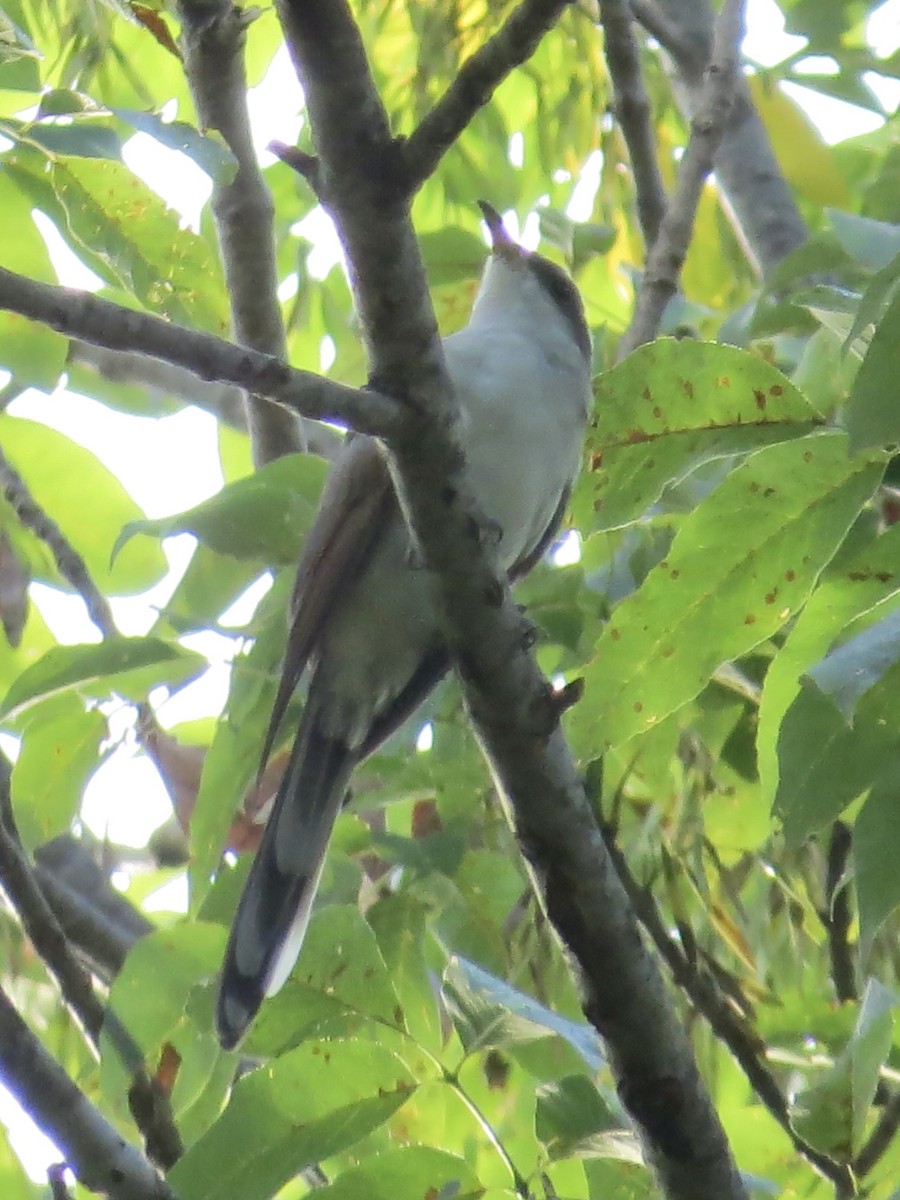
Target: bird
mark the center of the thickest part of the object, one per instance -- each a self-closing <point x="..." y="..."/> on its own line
<point x="363" y="623"/>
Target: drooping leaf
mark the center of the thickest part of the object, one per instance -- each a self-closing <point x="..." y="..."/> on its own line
<point x="340" y="970"/>
<point x="261" y="517"/>
<point x="872" y="413"/>
<point x="33" y="354"/>
<point x="667" y="409"/>
<point x="55" y="470"/>
<point x="127" y="666"/>
<point x="741" y="564"/>
<point x="305" y="1107"/>
<point x="60" y="747"/>
<point x="407" y="1173"/>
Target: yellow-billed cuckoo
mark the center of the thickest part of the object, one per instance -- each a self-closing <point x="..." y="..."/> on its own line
<point x="363" y="621"/>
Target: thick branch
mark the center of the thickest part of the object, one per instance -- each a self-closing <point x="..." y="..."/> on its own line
<point x="667" y="254"/>
<point x="212" y="44"/>
<point x="513" y="709"/>
<point x="95" y="1151"/>
<point x="475" y="83"/>
<point x="362" y="181"/>
<point x="632" y="107"/>
<point x="82" y="315"/>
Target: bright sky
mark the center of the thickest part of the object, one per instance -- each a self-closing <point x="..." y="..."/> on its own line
<point x="172" y="463"/>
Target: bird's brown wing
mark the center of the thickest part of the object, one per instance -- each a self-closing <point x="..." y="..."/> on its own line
<point x="357" y="502"/>
<point x="436" y="662"/>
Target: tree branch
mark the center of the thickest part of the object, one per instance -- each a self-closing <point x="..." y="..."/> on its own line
<point x="83" y="315"/>
<point x="666" y="257"/>
<point x="632" y="108"/>
<point x="880" y="1138"/>
<point x="747" y="170"/>
<point x="515" y="713"/>
<point x="145" y="1097"/>
<point x="212" y="43"/>
<point x="69" y="562"/>
<point x="475" y="83"/>
<point x="225" y="403"/>
<point x="837" y="916"/>
<point x="94" y="1149"/>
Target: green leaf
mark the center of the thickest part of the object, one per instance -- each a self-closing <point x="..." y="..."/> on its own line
<point x="340" y="970"/>
<point x="233" y="757"/>
<point x="60" y="747"/>
<point x="139" y="242"/>
<point x="670" y="407"/>
<point x="80" y="137"/>
<point x="398" y="922"/>
<point x="876" y="846"/>
<point x="572" y="1118"/>
<point x="487" y="1011"/>
<point x="56" y="469"/>
<point x="262" y="517"/>
<point x="740" y="566"/>
<point x="814" y="786"/>
<point x="873" y="415"/>
<point x="452" y="255"/>
<point x="406" y="1173"/>
<point x="832" y="1114"/>
<point x="302" y="1108"/>
<point x="210" y="153"/>
<point x="127" y="666"/>
<point x="19" y="59"/>
<point x="32" y="353"/>
<point x="150" y="995"/>
<point x="854" y="584"/>
<point x="871" y="243"/>
<point x="853" y="668"/>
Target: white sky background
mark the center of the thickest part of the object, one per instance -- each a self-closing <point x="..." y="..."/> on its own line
<point x="171" y="463"/>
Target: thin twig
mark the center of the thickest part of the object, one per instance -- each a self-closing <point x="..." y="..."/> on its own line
<point x="880" y="1138"/>
<point x="838" y="917"/>
<point x="632" y="108"/>
<point x="212" y="43"/>
<point x="667" y="255"/>
<point x="95" y="1151"/>
<point x="69" y="562"/>
<point x="475" y="83"/>
<point x="726" y="1023"/>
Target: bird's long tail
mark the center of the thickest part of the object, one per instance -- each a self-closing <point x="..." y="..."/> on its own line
<point x="274" y="909"/>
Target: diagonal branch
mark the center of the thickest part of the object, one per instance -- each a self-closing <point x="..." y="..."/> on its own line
<point x="515" y="713"/>
<point x="43" y="930"/>
<point x="747" y="170"/>
<point x="212" y="43"/>
<point x="632" y="108"/>
<point x="475" y="83"/>
<point x="667" y="254"/>
<point x="69" y="562"/>
<point x="96" y="1152"/>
